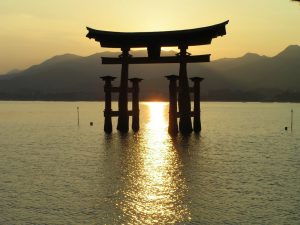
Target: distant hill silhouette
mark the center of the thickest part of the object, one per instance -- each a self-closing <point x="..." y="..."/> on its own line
<point x="249" y="78"/>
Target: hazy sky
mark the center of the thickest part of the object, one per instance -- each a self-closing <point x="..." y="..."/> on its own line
<point x="32" y="31"/>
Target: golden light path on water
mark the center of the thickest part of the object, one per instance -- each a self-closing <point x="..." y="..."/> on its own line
<point x="155" y="188"/>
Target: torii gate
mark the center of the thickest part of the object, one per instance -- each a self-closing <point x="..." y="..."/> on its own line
<point x="153" y="41"/>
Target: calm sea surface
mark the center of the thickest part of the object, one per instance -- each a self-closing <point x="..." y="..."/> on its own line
<point x="243" y="169"/>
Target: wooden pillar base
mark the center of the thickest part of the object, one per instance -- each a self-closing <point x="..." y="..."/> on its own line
<point x="107" y="110"/>
<point x="107" y="122"/>
<point x="196" y="90"/>
<point x="173" y="126"/>
<point x="135" y="104"/>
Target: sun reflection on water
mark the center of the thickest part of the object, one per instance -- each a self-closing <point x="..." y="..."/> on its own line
<point x="155" y="188"/>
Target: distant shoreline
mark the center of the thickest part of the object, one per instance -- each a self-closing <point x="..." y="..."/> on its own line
<point x="147" y="100"/>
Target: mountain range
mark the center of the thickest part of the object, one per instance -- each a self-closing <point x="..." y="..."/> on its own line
<point x="251" y="77"/>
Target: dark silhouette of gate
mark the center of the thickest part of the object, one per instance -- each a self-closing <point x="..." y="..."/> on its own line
<point x="153" y="41"/>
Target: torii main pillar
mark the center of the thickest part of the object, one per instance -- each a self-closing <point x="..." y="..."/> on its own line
<point x="123" y="119"/>
<point x="185" y="123"/>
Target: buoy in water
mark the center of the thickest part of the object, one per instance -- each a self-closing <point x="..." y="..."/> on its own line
<point x="91" y="123"/>
<point x="286" y="128"/>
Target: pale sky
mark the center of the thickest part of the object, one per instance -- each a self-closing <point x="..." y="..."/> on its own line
<point x="32" y="31"/>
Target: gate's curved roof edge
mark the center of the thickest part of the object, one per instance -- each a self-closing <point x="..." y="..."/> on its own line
<point x="197" y="36"/>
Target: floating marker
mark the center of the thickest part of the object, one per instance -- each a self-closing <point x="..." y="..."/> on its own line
<point x="292" y="115"/>
<point x="77" y="116"/>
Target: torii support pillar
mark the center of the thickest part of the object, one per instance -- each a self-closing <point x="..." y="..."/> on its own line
<point x="173" y="127"/>
<point x="107" y="110"/>
<point x="123" y="119"/>
<point x="196" y="90"/>
<point x="135" y="104"/>
<point x="185" y="123"/>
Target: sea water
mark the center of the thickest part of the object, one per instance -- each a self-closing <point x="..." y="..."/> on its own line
<point x="244" y="168"/>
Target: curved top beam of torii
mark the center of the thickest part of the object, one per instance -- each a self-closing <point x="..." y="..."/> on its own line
<point x="155" y="40"/>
